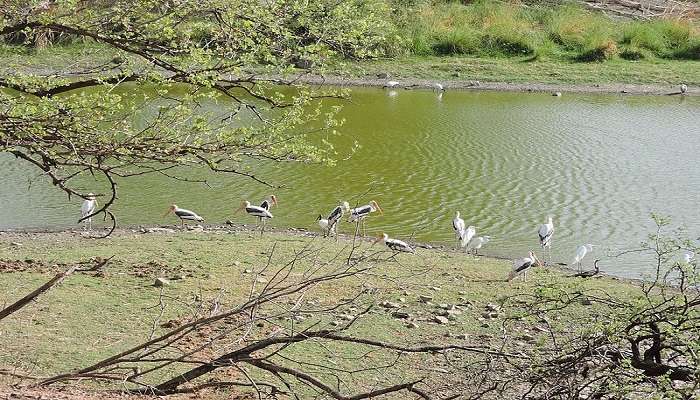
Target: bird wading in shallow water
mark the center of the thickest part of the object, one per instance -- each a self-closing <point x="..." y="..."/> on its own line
<point x="358" y="215"/>
<point x="545" y="233"/>
<point x="581" y="252"/>
<point x="397" y="246"/>
<point x="184" y="214"/>
<point x="256" y="211"/>
<point x="88" y="208"/>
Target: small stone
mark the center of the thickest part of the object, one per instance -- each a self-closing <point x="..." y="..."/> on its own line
<point x="411" y="325"/>
<point x="260" y="279"/>
<point x="455" y="74"/>
<point x="435" y="288"/>
<point x="406" y="293"/>
<point x="236" y="263"/>
<point x="424" y="299"/>
<point x="347" y="317"/>
<point x="540" y="329"/>
<point x="462" y="336"/>
<point x="335" y="323"/>
<point x="298" y="317"/>
<point x="16" y="244"/>
<point x="401" y="315"/>
<point x="440" y="319"/>
<point x="160" y="282"/>
<point x="388" y="304"/>
<point x="485" y="325"/>
<point x="247" y="271"/>
<point x="402" y="300"/>
<point x="462" y="293"/>
<point x="586" y="302"/>
<point x="444" y="306"/>
<point x="493" y="315"/>
<point x="492" y="307"/>
<point x="383" y="75"/>
<point x="229" y="222"/>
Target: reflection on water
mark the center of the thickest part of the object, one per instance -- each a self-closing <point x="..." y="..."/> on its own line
<point x="598" y="164"/>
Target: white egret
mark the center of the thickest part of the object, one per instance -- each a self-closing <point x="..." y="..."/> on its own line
<point x="458" y="226"/>
<point x="521" y="265"/>
<point x="684" y="88"/>
<point x="396" y="245"/>
<point x="545" y="233"/>
<point x="581" y="252"/>
<point x="87" y="208"/>
<point x="391" y="84"/>
<point x="438" y="87"/>
<point x="184" y="214"/>
<point x="477" y="242"/>
<point x="468" y="235"/>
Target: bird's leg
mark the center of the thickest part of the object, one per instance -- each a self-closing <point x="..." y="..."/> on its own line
<point x="262" y="226"/>
<point x="182" y="223"/>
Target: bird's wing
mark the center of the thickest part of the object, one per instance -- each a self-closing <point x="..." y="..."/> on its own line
<point x="335" y="214"/>
<point x="522" y="264"/>
<point x="265" y="205"/>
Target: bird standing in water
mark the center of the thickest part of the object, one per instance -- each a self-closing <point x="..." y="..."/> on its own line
<point x="184" y="214"/>
<point x="545" y="233"/>
<point x="88" y="208"/>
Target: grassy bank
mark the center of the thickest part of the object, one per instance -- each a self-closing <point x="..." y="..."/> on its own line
<point x="93" y="315"/>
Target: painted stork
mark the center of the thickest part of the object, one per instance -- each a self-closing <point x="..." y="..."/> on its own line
<point x="581" y="252"/>
<point x="521" y="265"/>
<point x="397" y="246"/>
<point x="545" y="233"/>
<point x="358" y="215"/>
<point x="477" y="243"/>
<point x="458" y="226"/>
<point x="684" y="88"/>
<point x="468" y="235"/>
<point x="89" y="206"/>
<point x="184" y="214"/>
<point x="256" y="211"/>
<point x="331" y="223"/>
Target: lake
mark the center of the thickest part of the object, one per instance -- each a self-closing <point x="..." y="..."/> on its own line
<point x="598" y="164"/>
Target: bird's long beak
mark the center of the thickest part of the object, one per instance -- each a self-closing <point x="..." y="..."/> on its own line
<point x="274" y="199"/>
<point x="539" y="263"/>
<point x="374" y="203"/>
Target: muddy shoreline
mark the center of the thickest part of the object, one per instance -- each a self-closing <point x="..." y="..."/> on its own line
<point x="462" y="84"/>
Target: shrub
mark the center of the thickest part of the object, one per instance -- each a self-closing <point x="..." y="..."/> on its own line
<point x="605" y="50"/>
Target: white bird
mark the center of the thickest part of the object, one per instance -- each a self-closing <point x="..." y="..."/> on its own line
<point x="688" y="257"/>
<point x="477" y="243"/>
<point x="359" y="214"/>
<point x="458" y="226"/>
<point x="684" y="88"/>
<point x="438" y="87"/>
<point x="184" y="214"/>
<point x="521" y="265"/>
<point x="87" y="208"/>
<point x="545" y="233"/>
<point x="581" y="252"/>
<point x="396" y="245"/>
<point x="256" y="211"/>
<point x="468" y="235"/>
<point x="334" y="219"/>
<point x="391" y="84"/>
<point x="323" y="224"/>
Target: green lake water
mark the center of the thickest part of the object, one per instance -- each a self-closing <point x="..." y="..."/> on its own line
<point x="599" y="164"/>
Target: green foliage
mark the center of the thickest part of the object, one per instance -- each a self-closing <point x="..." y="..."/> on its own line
<point x="568" y="31"/>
